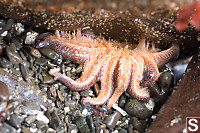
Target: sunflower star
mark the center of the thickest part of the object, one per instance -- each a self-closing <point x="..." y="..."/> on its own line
<point x="130" y="69"/>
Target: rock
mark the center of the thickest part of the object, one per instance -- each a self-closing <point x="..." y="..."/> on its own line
<point x="4" y="92"/>
<point x="137" y="109"/>
<point x="49" y="53"/>
<point x="5" y="63"/>
<point x="139" y="125"/>
<point x="13" y="56"/>
<point x="29" y="109"/>
<point x="112" y="119"/>
<point x="55" y="121"/>
<point x="82" y="125"/>
<point x="15" y="120"/>
<point x="185" y="102"/>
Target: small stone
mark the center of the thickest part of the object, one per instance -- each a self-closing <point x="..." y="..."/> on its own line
<point x="70" y="103"/>
<point x="90" y="123"/>
<point x="13" y="56"/>
<point x="49" y="53"/>
<point x="103" y="126"/>
<point x="9" y="24"/>
<point x="15" y="120"/>
<point x="9" y="127"/>
<point x="84" y="93"/>
<point x="72" y="128"/>
<point x="15" y="72"/>
<point x="50" y="130"/>
<point x="4" y="92"/>
<point x="42" y="125"/>
<point x="122" y="101"/>
<point x="41" y="61"/>
<point x="138" y="109"/>
<point x="41" y="117"/>
<point x="123" y="131"/>
<point x="76" y="95"/>
<point x="47" y="78"/>
<point x="25" y="130"/>
<point x="112" y="119"/>
<point x="82" y="125"/>
<point x="30" y="119"/>
<point x="60" y="96"/>
<point x="79" y="69"/>
<point x="139" y="125"/>
<point x="5" y="63"/>
<point x="53" y="91"/>
<point x="25" y="72"/>
<point x="1" y="50"/>
<point x="33" y="51"/>
<point x="29" y="109"/>
<point x="55" y="121"/>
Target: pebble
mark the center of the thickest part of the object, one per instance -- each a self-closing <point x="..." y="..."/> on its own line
<point x="96" y="89"/>
<point x="60" y="96"/>
<point x="90" y="122"/>
<point x="55" y="121"/>
<point x="84" y="93"/>
<point x="29" y="109"/>
<point x="82" y="125"/>
<point x="79" y="69"/>
<point x="30" y="119"/>
<point x="42" y="125"/>
<point x="4" y="92"/>
<point x="53" y="91"/>
<point x="25" y="72"/>
<point x="41" y="117"/>
<point x="76" y="95"/>
<point x="47" y="78"/>
<point x="33" y="51"/>
<point x="15" y="120"/>
<point x="123" y="131"/>
<point x="139" y="125"/>
<point x="25" y="130"/>
<point x="49" y="53"/>
<point x="112" y="119"/>
<point x="9" y="23"/>
<point x="1" y="50"/>
<point x="5" y="63"/>
<point x="16" y="72"/>
<point x="122" y="100"/>
<point x="2" y="28"/>
<point x="9" y="127"/>
<point x="70" y="103"/>
<point x="138" y="109"/>
<point x="166" y="79"/>
<point x="41" y="61"/>
<point x="13" y="56"/>
<point x="72" y="128"/>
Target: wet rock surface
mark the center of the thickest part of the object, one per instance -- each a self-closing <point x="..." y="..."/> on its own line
<point x="183" y="103"/>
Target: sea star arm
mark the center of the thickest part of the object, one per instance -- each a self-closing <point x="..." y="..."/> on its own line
<point x="90" y="75"/>
<point x="135" y="89"/>
<point x="106" y="82"/>
<point x="165" y="56"/>
<point x="151" y="73"/>
<point x="123" y="80"/>
<point x="69" y="49"/>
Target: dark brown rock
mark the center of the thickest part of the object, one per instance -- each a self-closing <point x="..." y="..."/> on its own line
<point x="185" y="102"/>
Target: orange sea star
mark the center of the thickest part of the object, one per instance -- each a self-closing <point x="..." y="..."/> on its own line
<point x="119" y="69"/>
